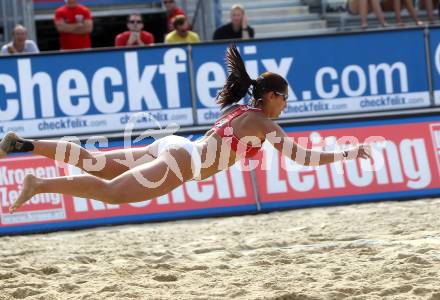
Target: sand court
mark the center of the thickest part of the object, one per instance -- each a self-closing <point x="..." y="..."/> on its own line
<point x="387" y="250"/>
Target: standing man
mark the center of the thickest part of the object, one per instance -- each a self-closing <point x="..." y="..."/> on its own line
<point x="181" y="33"/>
<point x="74" y="23"/>
<point x="172" y="11"/>
<point x="238" y="28"/>
<point x="135" y="36"/>
<point x="19" y="43"/>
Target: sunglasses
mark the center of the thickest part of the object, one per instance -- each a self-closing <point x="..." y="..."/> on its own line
<point x="135" y="22"/>
<point x="285" y="96"/>
<point x="170" y="1"/>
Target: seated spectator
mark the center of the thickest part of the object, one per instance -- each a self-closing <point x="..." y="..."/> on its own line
<point x="238" y="28"/>
<point x="135" y="36"/>
<point x="74" y="23"/>
<point x="363" y="7"/>
<point x="181" y="32"/>
<point x="172" y="11"/>
<point x="19" y="43"/>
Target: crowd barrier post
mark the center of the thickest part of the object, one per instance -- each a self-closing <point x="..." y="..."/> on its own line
<point x="426" y="33"/>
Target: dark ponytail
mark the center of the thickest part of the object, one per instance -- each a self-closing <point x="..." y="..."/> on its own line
<point x="238" y="81"/>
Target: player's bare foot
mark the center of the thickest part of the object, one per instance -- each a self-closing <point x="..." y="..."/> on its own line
<point x="28" y="191"/>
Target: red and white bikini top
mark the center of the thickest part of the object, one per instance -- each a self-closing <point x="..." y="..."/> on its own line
<point x="222" y="127"/>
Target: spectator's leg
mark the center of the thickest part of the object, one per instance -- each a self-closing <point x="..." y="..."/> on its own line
<point x="429" y="6"/>
<point x="412" y="11"/>
<point x="397" y="8"/>
<point x="377" y="9"/>
<point x="363" y="12"/>
<point x="355" y="7"/>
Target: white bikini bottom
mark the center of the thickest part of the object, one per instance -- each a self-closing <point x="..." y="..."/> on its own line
<point x="175" y="142"/>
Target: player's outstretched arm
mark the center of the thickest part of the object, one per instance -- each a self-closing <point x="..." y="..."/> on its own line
<point x="288" y="147"/>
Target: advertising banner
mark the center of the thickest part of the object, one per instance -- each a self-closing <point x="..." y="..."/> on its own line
<point x="331" y="74"/>
<point x="434" y="40"/>
<point x="406" y="163"/>
<point x="227" y="192"/>
<point x="41" y="208"/>
<point x="92" y="92"/>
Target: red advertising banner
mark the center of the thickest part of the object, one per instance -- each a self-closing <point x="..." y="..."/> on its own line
<point x="42" y="207"/>
<point x="229" y="192"/>
<point x="405" y="164"/>
<point x="225" y="189"/>
<point x="406" y="160"/>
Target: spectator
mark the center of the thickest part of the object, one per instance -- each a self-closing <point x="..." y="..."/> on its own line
<point x="181" y="32"/>
<point x="19" y="43"/>
<point x="238" y="28"/>
<point x="135" y="36"/>
<point x="74" y="23"/>
<point x="363" y="7"/>
<point x="172" y="11"/>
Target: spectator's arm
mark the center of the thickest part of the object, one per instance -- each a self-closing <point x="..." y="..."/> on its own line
<point x="4" y="50"/>
<point x="167" y="39"/>
<point x="34" y="47"/>
<point x="62" y="26"/>
<point x="197" y="38"/>
<point x="245" y="28"/>
<point x="85" y="27"/>
<point x="139" y="39"/>
<point x="118" y="41"/>
<point x="245" y="33"/>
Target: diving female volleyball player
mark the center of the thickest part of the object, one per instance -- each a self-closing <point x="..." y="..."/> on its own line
<point x="170" y="161"/>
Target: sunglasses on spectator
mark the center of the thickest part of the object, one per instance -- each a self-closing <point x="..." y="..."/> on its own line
<point x="168" y="1"/>
<point x="285" y="96"/>
<point x="135" y="22"/>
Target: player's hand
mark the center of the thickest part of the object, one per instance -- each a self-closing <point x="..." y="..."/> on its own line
<point x="364" y="151"/>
